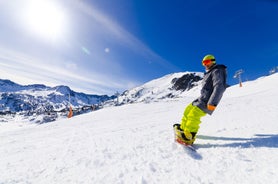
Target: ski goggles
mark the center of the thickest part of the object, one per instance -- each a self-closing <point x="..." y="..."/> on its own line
<point x="208" y="61"/>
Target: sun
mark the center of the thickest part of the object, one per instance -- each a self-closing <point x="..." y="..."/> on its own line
<point x="45" y="19"/>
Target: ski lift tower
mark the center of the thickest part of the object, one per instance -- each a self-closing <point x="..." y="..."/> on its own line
<point x="238" y="75"/>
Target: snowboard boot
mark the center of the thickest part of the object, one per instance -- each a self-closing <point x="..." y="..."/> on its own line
<point x="184" y="135"/>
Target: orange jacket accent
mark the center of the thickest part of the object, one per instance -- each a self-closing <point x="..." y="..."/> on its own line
<point x="211" y="107"/>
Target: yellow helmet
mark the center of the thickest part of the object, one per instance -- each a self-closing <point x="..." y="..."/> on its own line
<point x="208" y="59"/>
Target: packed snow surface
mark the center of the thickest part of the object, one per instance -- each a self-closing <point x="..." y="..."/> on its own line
<point x="134" y="143"/>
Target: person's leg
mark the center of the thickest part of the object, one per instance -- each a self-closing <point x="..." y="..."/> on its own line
<point x="192" y="117"/>
<point x="185" y="114"/>
<point x="190" y="122"/>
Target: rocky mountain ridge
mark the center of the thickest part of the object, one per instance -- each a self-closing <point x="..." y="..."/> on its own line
<point x="41" y="103"/>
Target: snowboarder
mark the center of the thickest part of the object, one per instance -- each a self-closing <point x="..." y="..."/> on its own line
<point x="213" y="87"/>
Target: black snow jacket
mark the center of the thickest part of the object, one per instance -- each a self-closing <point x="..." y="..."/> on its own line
<point x="213" y="87"/>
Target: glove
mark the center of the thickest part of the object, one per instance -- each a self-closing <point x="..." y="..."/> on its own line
<point x="211" y="107"/>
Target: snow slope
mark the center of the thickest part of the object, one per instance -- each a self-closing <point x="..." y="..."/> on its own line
<point x="134" y="143"/>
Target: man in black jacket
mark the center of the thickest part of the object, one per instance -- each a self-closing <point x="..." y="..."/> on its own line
<point x="213" y="87"/>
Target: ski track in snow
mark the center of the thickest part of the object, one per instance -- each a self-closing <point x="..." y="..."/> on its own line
<point x="135" y="144"/>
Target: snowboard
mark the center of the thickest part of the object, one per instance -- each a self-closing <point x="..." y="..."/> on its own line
<point x="189" y="146"/>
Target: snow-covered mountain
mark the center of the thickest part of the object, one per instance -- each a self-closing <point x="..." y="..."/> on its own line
<point x="41" y="103"/>
<point x="133" y="143"/>
<point x="169" y="86"/>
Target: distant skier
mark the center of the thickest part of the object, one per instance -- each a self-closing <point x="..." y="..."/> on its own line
<point x="213" y="87"/>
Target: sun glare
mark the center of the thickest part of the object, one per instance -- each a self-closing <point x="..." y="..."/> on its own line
<point x="45" y="19"/>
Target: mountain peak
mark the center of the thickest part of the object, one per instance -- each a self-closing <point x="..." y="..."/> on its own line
<point x="169" y="86"/>
<point x="8" y="86"/>
<point x="187" y="81"/>
<point x="63" y="89"/>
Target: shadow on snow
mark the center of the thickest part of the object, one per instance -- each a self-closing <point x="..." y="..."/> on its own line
<point x="260" y="140"/>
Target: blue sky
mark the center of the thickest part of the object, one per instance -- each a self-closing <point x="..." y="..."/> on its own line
<point x="101" y="47"/>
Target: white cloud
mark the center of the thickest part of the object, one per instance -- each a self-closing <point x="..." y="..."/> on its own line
<point x="24" y="69"/>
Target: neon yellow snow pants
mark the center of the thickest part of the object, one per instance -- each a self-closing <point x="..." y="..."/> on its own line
<point x="192" y="118"/>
